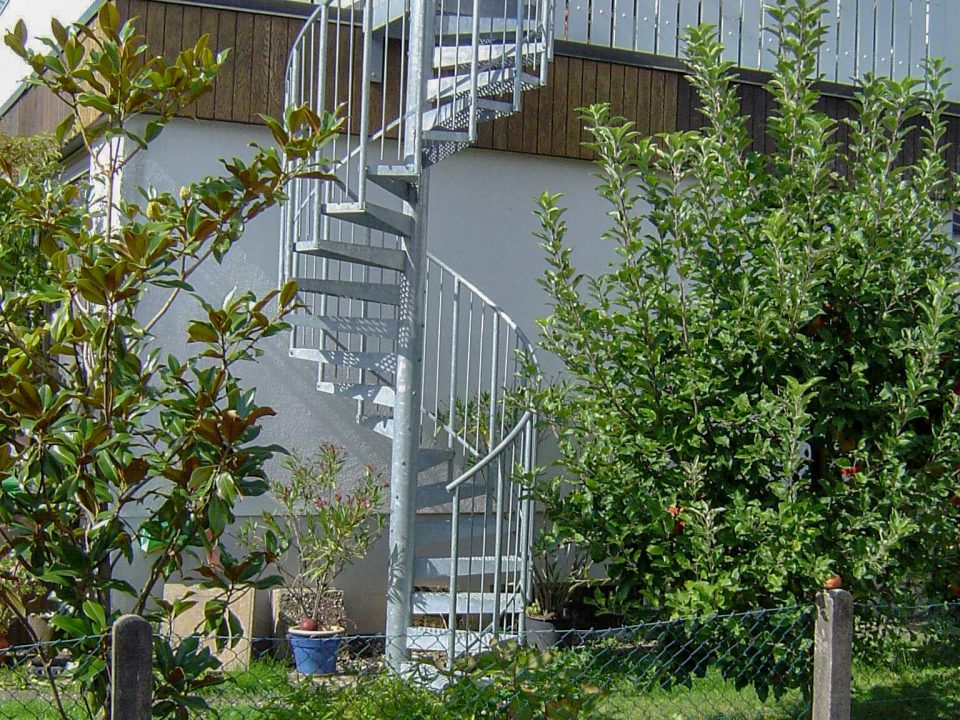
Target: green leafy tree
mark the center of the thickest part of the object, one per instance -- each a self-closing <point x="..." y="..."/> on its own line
<point x="94" y="420"/>
<point x="762" y="389"/>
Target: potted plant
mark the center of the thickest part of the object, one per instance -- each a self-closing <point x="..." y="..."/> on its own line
<point x="558" y="570"/>
<point x="22" y="599"/>
<point x="324" y="525"/>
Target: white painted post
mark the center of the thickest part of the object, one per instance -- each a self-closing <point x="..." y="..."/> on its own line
<point x="832" y="655"/>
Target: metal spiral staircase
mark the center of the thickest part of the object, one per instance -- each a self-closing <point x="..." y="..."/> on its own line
<point x="429" y="360"/>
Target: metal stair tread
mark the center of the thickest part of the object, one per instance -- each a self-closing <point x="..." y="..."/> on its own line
<point x="383" y="395"/>
<point x="371" y="327"/>
<point x="382" y="293"/>
<point x="385" y="258"/>
<point x="463" y="55"/>
<point x="438" y="568"/>
<point x="435" y="494"/>
<point x="452" y="85"/>
<point x="468" y="603"/>
<point x="372" y="216"/>
<point x="380" y="362"/>
<point x="436" y="530"/>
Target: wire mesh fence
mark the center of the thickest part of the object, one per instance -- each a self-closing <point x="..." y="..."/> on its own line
<point x="727" y="667"/>
<point x="906" y="661"/>
<point x="748" y="665"/>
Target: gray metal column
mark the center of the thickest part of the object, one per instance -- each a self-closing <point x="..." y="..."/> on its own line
<point x="406" y="411"/>
<point x="406" y="436"/>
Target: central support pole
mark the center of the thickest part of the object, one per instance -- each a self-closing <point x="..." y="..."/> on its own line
<point x="406" y="436"/>
<point x="409" y="349"/>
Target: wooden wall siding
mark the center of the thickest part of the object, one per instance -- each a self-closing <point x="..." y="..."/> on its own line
<point x="252" y="82"/>
<point x="549" y="123"/>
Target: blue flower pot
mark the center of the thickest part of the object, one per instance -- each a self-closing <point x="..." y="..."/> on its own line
<point x="315" y="653"/>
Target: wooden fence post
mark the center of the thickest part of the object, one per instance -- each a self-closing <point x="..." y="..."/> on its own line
<point x="832" y="655"/>
<point x="132" y="669"/>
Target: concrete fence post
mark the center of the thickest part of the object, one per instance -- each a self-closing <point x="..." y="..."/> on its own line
<point x="131" y="689"/>
<point x="832" y="655"/>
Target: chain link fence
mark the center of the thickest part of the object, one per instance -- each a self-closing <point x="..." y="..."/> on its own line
<point x="906" y="662"/>
<point x="741" y="666"/>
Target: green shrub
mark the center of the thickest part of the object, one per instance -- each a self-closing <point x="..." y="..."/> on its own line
<point x="762" y="390"/>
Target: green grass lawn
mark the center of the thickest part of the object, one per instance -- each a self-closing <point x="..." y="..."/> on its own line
<point x="927" y="691"/>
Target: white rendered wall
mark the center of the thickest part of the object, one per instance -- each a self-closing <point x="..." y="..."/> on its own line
<point x="481" y="223"/>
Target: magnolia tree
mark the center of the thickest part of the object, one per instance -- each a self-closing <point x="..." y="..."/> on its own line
<point x="762" y="390"/>
<point x="94" y="419"/>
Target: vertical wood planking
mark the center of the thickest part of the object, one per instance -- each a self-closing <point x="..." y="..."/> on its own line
<point x="644" y="94"/>
<point x="172" y="31"/>
<point x="630" y="80"/>
<point x="209" y="24"/>
<point x="153" y="31"/>
<point x="558" y="81"/>
<point x="243" y="59"/>
<point x="279" y="46"/>
<point x="646" y="35"/>
<point x="226" y="38"/>
<point x="545" y="98"/>
<point x="588" y="96"/>
<point x="260" y="70"/>
<point x="901" y="38"/>
<point x="190" y="33"/>
<point x="668" y="117"/>
<point x="574" y="80"/>
<point x="616" y="89"/>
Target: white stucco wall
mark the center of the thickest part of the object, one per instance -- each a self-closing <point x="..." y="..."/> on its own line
<point x="481" y="223"/>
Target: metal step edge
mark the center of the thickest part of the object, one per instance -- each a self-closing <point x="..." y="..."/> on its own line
<point x="381" y="362"/>
<point x="444" y="136"/>
<point x="456" y="56"/>
<point x="438" y="603"/>
<point x="448" y="87"/>
<point x="382" y="395"/>
<point x="399" y="180"/>
<point x="432" y="530"/>
<point x="385" y="258"/>
<point x="380" y="425"/>
<point x="372" y="216"/>
<point x="370" y="327"/>
<point x="438" y="568"/>
<point x="435" y="494"/>
<point x="431" y="457"/>
<point x="372" y="292"/>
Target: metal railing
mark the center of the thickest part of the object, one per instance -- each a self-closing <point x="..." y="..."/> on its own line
<point x="889" y="37"/>
<point x="475" y="359"/>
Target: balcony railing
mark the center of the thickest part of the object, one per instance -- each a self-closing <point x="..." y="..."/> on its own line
<point x="892" y="37"/>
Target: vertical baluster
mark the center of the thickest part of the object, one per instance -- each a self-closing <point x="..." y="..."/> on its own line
<point x="492" y="441"/>
<point x="454" y="561"/>
<point x="474" y="68"/>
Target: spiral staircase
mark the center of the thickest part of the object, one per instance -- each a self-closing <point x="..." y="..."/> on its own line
<point x="428" y="359"/>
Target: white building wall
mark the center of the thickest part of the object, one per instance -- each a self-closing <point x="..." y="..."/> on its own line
<point x="481" y="223"/>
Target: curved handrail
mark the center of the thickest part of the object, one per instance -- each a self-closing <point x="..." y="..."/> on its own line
<point x="492" y="455"/>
